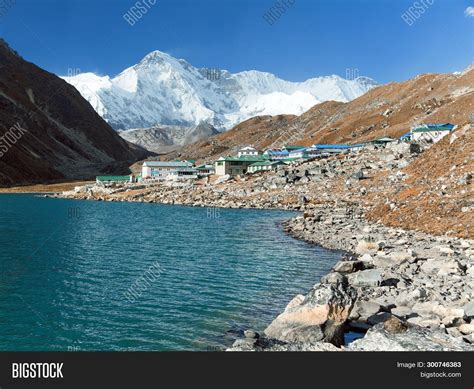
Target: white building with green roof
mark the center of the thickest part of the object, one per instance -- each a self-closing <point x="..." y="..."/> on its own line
<point x="264" y="166"/>
<point x="248" y="151"/>
<point x="431" y="132"/>
<point x="161" y="170"/>
<point x="235" y="166"/>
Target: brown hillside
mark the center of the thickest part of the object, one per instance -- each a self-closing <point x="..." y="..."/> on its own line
<point x="388" y="110"/>
<point x="63" y="137"/>
<point x="438" y="193"/>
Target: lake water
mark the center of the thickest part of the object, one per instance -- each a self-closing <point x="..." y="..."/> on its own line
<point x="67" y="270"/>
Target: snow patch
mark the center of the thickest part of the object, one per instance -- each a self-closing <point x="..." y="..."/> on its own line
<point x="163" y="90"/>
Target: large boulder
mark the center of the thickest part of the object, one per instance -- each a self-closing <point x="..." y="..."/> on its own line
<point x="440" y="267"/>
<point x="431" y="309"/>
<point x="364" y="309"/>
<point x="410" y="338"/>
<point x="319" y="317"/>
<point x="349" y="266"/>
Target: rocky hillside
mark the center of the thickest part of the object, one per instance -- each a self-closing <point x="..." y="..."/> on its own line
<point x="49" y="132"/>
<point x="164" y="139"/>
<point x="387" y="110"/>
<point x="435" y="193"/>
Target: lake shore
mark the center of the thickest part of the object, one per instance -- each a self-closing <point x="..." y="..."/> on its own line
<point x="420" y="284"/>
<point x="45" y="188"/>
<point x="409" y="281"/>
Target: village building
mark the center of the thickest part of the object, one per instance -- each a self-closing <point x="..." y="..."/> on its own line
<point x="297" y="153"/>
<point x="234" y="166"/>
<point x="158" y="170"/>
<point x="264" y="166"/>
<point x="330" y="149"/>
<point x="291" y="148"/>
<point x="383" y="141"/>
<point x="406" y="137"/>
<point x="205" y="170"/>
<point x="276" y="154"/>
<point x="431" y="132"/>
<point x="302" y="152"/>
<point x="248" y="151"/>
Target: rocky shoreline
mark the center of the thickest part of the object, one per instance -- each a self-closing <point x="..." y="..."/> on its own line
<point x="403" y="289"/>
<point x="407" y="291"/>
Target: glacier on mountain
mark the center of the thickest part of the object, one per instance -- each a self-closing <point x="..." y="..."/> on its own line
<point x="164" y="91"/>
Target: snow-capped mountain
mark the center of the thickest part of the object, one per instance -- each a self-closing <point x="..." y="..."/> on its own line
<point x="164" y="91"/>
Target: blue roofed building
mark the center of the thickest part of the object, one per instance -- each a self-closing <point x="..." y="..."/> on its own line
<point x="406" y="137"/>
<point x="326" y="149"/>
<point x="431" y="132"/>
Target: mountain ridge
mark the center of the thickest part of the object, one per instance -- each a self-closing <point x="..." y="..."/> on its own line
<point x="61" y="137"/>
<point x="163" y="90"/>
<point x="387" y="110"/>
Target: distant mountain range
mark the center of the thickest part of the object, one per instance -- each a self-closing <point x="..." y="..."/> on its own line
<point x="162" y="91"/>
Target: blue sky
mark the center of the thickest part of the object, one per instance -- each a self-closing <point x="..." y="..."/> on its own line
<point x="312" y="37"/>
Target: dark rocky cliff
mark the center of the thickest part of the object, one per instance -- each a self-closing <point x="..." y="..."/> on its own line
<point x="49" y="132"/>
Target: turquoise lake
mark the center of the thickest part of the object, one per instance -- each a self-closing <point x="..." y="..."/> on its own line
<point x="67" y="269"/>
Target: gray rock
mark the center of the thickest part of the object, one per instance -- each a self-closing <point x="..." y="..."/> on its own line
<point x="251" y="334"/>
<point x="297" y="300"/>
<point x="359" y="175"/>
<point x="402" y="312"/>
<point x="404" y="299"/>
<point x="371" y="277"/>
<point x="469" y="310"/>
<point x="349" y="266"/>
<point x="272" y="345"/>
<point x="440" y="267"/>
<point x="320" y="317"/>
<point x="365" y="309"/>
<point x="333" y="278"/>
<point x="466" y="329"/>
<point x="378" y="318"/>
<point x="418" y="294"/>
<point x="425" y="309"/>
<point x="415" y="338"/>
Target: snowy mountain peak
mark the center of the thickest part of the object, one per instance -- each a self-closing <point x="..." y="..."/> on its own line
<point x="164" y="91"/>
<point x="156" y="58"/>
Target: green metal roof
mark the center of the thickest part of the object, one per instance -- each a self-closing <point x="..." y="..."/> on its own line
<point x="290" y="159"/>
<point x="245" y="158"/>
<point x="427" y="129"/>
<point x="113" y="178"/>
<point x="266" y="163"/>
<point x="294" y="147"/>
<point x="205" y="167"/>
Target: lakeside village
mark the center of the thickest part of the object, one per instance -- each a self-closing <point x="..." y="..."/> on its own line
<point x="249" y="160"/>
